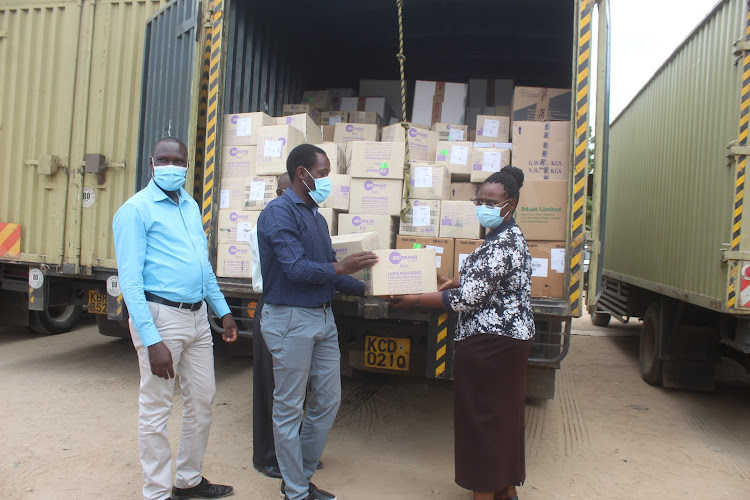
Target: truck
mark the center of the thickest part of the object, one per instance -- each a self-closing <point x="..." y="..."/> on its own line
<point x="676" y="252"/>
<point x="100" y="82"/>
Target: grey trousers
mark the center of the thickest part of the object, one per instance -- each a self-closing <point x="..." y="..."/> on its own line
<point x="305" y="348"/>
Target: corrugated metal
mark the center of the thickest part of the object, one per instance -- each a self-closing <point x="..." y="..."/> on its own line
<point x="669" y="203"/>
<point x="38" y="54"/>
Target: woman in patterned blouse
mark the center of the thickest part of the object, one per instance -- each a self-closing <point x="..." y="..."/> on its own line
<point x="495" y="326"/>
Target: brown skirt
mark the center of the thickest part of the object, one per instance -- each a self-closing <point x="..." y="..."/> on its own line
<point x="489" y="399"/>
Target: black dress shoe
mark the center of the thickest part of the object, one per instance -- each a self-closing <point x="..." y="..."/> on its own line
<point x="269" y="470"/>
<point x="313" y="493"/>
<point x="320" y="465"/>
<point x="204" y="489"/>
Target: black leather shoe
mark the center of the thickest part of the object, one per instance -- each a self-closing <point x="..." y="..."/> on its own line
<point x="320" y="465"/>
<point x="204" y="489"/>
<point x="269" y="470"/>
<point x="313" y="493"/>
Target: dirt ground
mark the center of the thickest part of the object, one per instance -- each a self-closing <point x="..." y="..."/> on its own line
<point x="69" y="406"/>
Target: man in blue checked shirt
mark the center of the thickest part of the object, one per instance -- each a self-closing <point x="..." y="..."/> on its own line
<point x="166" y="279"/>
<point x="300" y="278"/>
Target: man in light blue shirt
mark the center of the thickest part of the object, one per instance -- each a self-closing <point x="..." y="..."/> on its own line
<point x="166" y="280"/>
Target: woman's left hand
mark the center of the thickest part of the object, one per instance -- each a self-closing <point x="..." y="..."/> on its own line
<point x="403" y="301"/>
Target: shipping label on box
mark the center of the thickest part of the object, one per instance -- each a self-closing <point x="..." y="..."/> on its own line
<point x="540" y="104"/>
<point x="259" y="191"/>
<point x="464" y="248"/>
<point x="493" y="128"/>
<point x="543" y="210"/>
<point x="232" y="193"/>
<point x="234" y="226"/>
<point x="296" y="109"/>
<point x="547" y="268"/>
<point x="430" y="182"/>
<point x="459" y="220"/>
<point x="542" y="149"/>
<point x="331" y="217"/>
<point x="376" y="160"/>
<point x="233" y="261"/>
<point x="274" y="144"/>
<point x="241" y="129"/>
<point x="311" y="131"/>
<point x="451" y="132"/>
<point x="376" y="196"/>
<point x="318" y="99"/>
<point x="400" y="272"/>
<point x="336" y="156"/>
<point x="464" y="191"/>
<point x="340" y="192"/>
<point x="350" y="132"/>
<point x="334" y="117"/>
<point x="457" y="157"/>
<point x="422" y="142"/>
<point x="487" y="161"/>
<point x="422" y="219"/>
<point x="384" y="225"/>
<point x="346" y="245"/>
<point x="238" y="161"/>
<point x="444" y="250"/>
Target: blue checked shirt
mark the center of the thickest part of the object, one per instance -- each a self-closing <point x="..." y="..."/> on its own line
<point x="161" y="248"/>
<point x="296" y="256"/>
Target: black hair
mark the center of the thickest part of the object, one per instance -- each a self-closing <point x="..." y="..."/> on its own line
<point x="173" y="140"/>
<point x="511" y="178"/>
<point x="304" y="155"/>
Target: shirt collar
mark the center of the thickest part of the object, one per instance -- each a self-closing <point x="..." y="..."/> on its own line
<point x="507" y="224"/>
<point x="158" y="195"/>
<point x="296" y="199"/>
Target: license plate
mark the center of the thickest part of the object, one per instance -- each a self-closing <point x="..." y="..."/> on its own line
<point x="97" y="302"/>
<point x="387" y="353"/>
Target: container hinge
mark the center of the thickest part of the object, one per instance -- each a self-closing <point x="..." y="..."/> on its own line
<point x="735" y="150"/>
<point x="727" y="255"/>
<point x="741" y="46"/>
<point x="47" y="164"/>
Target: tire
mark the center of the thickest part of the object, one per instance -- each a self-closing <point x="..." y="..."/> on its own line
<point x="55" y="320"/>
<point x="600" y="318"/>
<point x="111" y="328"/>
<point x="648" y="353"/>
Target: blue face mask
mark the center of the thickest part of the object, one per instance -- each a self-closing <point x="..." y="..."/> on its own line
<point x="490" y="218"/>
<point x="322" y="188"/>
<point x="170" y="177"/>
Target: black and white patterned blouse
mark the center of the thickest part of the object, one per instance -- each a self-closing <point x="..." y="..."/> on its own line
<point x="495" y="292"/>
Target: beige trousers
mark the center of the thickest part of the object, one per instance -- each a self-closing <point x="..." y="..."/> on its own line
<point x="187" y="334"/>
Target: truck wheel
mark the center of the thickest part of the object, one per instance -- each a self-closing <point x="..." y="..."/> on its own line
<point x="650" y="362"/>
<point x="54" y="320"/>
<point x="111" y="328"/>
<point x="600" y="318"/>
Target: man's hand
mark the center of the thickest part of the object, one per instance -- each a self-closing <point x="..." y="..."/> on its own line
<point x="355" y="262"/>
<point x="446" y="283"/>
<point x="403" y="301"/>
<point x="230" y="328"/>
<point x="161" y="360"/>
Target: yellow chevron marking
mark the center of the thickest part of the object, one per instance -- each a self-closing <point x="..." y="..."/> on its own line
<point x="579" y="185"/>
<point x="442" y="318"/>
<point x="580" y="148"/>
<point x="443" y="333"/>
<point x="581" y="133"/>
<point x="578" y="204"/>
<point x="440" y="369"/>
<point x="585" y="38"/>
<point x="575" y="260"/>
<point x="441" y="352"/>
<point x="584" y="56"/>
<point x="574" y="295"/>
<point x="582" y="111"/>
<point x="585" y="20"/>
<point x="582" y="93"/>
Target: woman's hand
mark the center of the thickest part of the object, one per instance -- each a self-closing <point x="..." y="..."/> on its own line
<point x="446" y="283"/>
<point x="403" y="301"/>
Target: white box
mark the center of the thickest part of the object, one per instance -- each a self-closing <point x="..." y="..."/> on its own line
<point x="311" y="131"/>
<point x="259" y="191"/>
<point x="430" y="181"/>
<point x="493" y="128"/>
<point x="458" y="219"/>
<point x="340" y="192"/>
<point x="348" y="244"/>
<point x="451" y="132"/>
<point x="422" y="219"/>
<point x="376" y="196"/>
<point x="274" y="144"/>
<point x="385" y="225"/>
<point x="487" y="161"/>
<point x="295" y="109"/>
<point x="400" y="272"/>
<point x="377" y="160"/>
<point x="241" y="129"/>
<point x="350" y="132"/>
<point x="233" y="261"/>
<point x="422" y="141"/>
<point x="238" y="161"/>
<point x="457" y="157"/>
<point x="439" y="102"/>
<point x="336" y="154"/>
<point x="234" y="226"/>
<point x="232" y="193"/>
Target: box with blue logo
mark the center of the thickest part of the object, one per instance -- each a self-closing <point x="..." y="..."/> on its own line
<point x="241" y="129"/>
<point x="401" y="272"/>
<point x="376" y="196"/>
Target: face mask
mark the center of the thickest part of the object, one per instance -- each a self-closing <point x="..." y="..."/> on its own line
<point x="170" y="177"/>
<point x="322" y="188"/>
<point x="490" y="217"/>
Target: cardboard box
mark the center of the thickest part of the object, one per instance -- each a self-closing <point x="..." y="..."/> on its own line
<point x="422" y="219"/>
<point x="464" y="191"/>
<point x="274" y="144"/>
<point x="234" y="226"/>
<point x="422" y="142"/>
<point x="484" y="92"/>
<point x="400" y="272"/>
<point x="542" y="149"/>
<point x="457" y="157"/>
<point x="350" y="132"/>
<point x="458" y="219"/>
<point x="334" y="117"/>
<point x="377" y="105"/>
<point x="340" y="188"/>
<point x="451" y="132"/>
<point x="259" y="191"/>
<point x="337" y="94"/>
<point x="296" y="109"/>
<point x="385" y="225"/>
<point x="436" y="102"/>
<point x="390" y="89"/>
<point x="332" y="219"/>
<point x="311" y="131"/>
<point x="543" y="210"/>
<point x="472" y="112"/>
<point x="540" y="104"/>
<point x="348" y="244"/>
<point x="238" y="161"/>
<point x="464" y="247"/>
<point x="487" y="161"/>
<point x="444" y="250"/>
<point x="318" y="99"/>
<point x="336" y="156"/>
<point x="377" y="160"/>
<point x="241" y="129"/>
<point x="328" y="132"/>
<point x="430" y="181"/>
<point x="368" y="117"/>
<point x="493" y="128"/>
<point x="233" y="261"/>
<point x="376" y="196"/>
<point x="548" y="268"/>
<point x="232" y="193"/>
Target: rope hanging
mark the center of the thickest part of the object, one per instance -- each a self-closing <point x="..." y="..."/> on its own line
<point x="401" y="59"/>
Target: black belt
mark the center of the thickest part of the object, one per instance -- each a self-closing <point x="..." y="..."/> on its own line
<point x="180" y="305"/>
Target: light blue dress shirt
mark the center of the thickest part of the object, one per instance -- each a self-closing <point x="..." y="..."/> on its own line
<point x="161" y="248"/>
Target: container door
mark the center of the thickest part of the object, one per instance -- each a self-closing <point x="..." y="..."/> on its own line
<point x="169" y="87"/>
